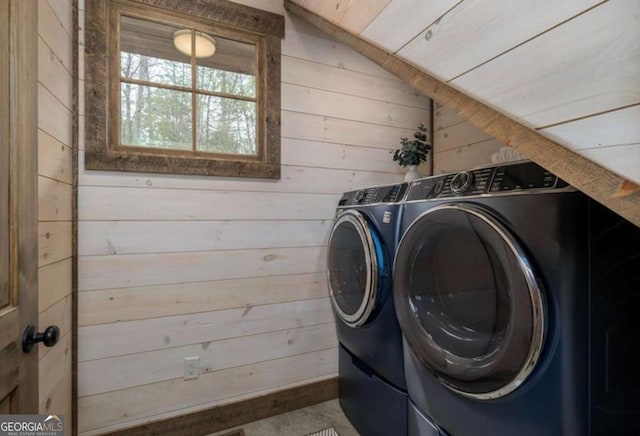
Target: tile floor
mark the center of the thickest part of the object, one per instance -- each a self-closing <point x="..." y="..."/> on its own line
<point x="300" y="422"/>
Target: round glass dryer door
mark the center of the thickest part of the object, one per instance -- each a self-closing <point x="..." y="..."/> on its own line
<point x="354" y="262"/>
<point x="468" y="302"/>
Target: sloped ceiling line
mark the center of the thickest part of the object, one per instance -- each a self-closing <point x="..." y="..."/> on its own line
<point x="615" y="192"/>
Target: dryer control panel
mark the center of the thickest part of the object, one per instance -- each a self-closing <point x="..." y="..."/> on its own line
<point x="520" y="176"/>
<point x="374" y="195"/>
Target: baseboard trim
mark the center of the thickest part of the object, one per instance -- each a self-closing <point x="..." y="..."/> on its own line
<point x="232" y="415"/>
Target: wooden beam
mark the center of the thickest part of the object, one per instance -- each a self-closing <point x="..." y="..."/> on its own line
<point x="613" y="191"/>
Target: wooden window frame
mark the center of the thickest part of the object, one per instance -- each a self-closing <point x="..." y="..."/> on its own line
<point x="102" y="84"/>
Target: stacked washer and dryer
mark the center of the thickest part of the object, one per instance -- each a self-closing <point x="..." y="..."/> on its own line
<point x="517" y="299"/>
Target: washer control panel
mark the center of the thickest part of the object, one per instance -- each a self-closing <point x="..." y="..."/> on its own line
<point x="518" y="176"/>
<point x="374" y="195"/>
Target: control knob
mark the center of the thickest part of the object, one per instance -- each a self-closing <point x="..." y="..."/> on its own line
<point x="461" y="182"/>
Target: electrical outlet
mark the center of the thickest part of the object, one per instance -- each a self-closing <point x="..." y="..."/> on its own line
<point x="191" y="367"/>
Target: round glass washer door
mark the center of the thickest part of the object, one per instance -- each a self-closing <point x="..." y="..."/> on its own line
<point x="354" y="262"/>
<point x="468" y="302"/>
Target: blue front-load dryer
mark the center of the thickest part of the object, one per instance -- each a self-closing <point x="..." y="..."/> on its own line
<point x="372" y="389"/>
<point x="518" y="300"/>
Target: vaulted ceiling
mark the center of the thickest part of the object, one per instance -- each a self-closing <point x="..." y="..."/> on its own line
<point x="569" y="70"/>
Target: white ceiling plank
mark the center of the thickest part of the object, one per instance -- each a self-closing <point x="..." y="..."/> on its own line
<point x="312" y="5"/>
<point x="612" y="128"/>
<point x="588" y="65"/>
<point x="402" y="20"/>
<point x="359" y="13"/>
<point x="478" y="30"/>
<point x="354" y="15"/>
<point x="621" y="159"/>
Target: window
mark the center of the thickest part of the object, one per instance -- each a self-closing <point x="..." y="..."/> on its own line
<point x="183" y="87"/>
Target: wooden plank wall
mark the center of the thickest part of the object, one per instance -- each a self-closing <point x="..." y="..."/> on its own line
<point x="230" y="270"/>
<point x="458" y="144"/>
<point x="55" y="27"/>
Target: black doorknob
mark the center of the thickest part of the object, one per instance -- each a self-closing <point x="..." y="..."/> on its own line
<point x="31" y="336"/>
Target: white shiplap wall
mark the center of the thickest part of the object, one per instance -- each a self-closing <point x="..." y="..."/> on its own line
<point x="231" y="270"/>
<point x="55" y="158"/>
<point x="458" y="144"/>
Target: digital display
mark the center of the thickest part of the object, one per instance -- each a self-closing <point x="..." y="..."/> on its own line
<point x="523" y="176"/>
<point x="529" y="176"/>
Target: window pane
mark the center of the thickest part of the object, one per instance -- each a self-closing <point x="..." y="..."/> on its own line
<point x="149" y="69"/>
<point x="155" y="117"/>
<point x="213" y="80"/>
<point x="226" y="125"/>
<point x="148" y="53"/>
<point x="231" y="69"/>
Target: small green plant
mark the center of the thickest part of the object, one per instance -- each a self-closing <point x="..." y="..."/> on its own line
<point x="413" y="152"/>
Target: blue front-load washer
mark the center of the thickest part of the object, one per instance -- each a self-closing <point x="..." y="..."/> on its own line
<point x="518" y="300"/>
<point x="372" y="389"/>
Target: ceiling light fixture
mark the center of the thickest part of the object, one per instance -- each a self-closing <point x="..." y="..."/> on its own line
<point x="205" y="45"/>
